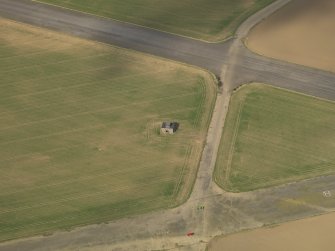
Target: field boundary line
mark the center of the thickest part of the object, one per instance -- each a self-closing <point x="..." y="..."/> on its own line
<point x="89" y="176"/>
<point x="301" y="93"/>
<point x="53" y="63"/>
<point x="140" y="73"/>
<point x="104" y="109"/>
<point x="29" y="154"/>
<point x="201" y="103"/>
<point x="233" y="142"/>
<point x="86" y="195"/>
<point x="181" y="173"/>
<point x="42" y="51"/>
<point x="93" y="96"/>
<point x="56" y="76"/>
<point x="89" y="82"/>
<point x="53" y="134"/>
<point x="31" y="42"/>
<point x="132" y="58"/>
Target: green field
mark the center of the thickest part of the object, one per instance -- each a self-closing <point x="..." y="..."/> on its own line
<point x="273" y="136"/>
<point x="79" y="131"/>
<point x="211" y="20"/>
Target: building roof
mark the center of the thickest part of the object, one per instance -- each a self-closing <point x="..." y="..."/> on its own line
<point x="170" y="125"/>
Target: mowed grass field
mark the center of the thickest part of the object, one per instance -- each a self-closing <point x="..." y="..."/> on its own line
<point x="273" y="136"/>
<point x="79" y="131"/>
<point x="212" y="20"/>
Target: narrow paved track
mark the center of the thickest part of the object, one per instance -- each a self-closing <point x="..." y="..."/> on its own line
<point x="224" y="212"/>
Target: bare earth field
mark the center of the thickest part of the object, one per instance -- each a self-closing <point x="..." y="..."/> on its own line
<point x="302" y="32"/>
<point x="316" y="233"/>
<point x="273" y="136"/>
<point x="79" y="139"/>
<point x="209" y="20"/>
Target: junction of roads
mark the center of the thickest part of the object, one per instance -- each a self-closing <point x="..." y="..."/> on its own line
<point x="209" y="211"/>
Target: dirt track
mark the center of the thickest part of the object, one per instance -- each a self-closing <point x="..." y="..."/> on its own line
<point x="302" y="32"/>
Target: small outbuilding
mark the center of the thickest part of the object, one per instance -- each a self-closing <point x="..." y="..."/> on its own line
<point x="169" y="127"/>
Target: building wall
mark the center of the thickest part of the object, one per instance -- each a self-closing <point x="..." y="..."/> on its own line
<point x="165" y="131"/>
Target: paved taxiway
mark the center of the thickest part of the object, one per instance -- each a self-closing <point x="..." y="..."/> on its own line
<point x="205" y="55"/>
<point x="248" y="66"/>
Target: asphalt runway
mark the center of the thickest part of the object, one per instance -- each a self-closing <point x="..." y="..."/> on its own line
<point x="225" y="212"/>
<point x="211" y="56"/>
<point x="252" y="67"/>
<point x="202" y="54"/>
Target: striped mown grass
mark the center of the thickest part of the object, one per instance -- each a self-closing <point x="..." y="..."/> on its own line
<point x="79" y="131"/>
<point x="274" y="136"/>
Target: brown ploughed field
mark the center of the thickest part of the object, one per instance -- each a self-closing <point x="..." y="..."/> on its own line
<point x="303" y="32"/>
<point x="310" y="234"/>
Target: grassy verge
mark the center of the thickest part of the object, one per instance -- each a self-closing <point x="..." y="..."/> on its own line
<point x="202" y="19"/>
<point x="273" y="136"/>
<point x="79" y="131"/>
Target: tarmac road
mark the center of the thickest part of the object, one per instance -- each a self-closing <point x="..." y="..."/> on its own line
<point x="211" y="56"/>
<point x="252" y="67"/>
<point x="205" y="55"/>
<point x="224" y="212"/>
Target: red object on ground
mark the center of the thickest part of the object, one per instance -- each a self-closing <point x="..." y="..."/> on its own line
<point x="190" y="233"/>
